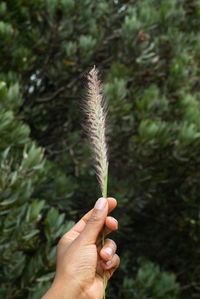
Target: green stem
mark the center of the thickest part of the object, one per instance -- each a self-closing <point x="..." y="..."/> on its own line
<point x="105" y="184"/>
<point x="103" y="236"/>
<point x="104" y="279"/>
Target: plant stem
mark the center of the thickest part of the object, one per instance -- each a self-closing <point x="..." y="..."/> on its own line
<point x="103" y="237"/>
<point x="105" y="184"/>
<point x="104" y="280"/>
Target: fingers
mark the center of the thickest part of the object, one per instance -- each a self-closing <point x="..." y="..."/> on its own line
<point x="95" y="223"/>
<point x="108" y="250"/>
<point x="111" y="266"/>
<point x="110" y="224"/>
<point x="112" y="203"/>
<point x="80" y="225"/>
<point x="109" y="260"/>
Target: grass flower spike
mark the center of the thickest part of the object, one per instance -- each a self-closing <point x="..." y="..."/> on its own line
<point x="96" y="127"/>
<point x="96" y="120"/>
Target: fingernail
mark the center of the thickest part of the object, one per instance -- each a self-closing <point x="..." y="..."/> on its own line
<point x="108" y="251"/>
<point x="115" y="220"/>
<point x="101" y="203"/>
<point x="108" y="263"/>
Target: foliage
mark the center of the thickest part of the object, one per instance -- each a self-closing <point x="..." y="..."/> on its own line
<point x="148" y="54"/>
<point x="150" y="282"/>
<point x="29" y="226"/>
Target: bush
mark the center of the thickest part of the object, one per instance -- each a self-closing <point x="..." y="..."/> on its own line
<point x="148" y="54"/>
<point x="30" y="227"/>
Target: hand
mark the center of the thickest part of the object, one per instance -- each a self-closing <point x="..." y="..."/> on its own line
<point x="81" y="259"/>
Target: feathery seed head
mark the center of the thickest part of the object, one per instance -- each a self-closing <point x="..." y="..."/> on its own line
<point x="96" y="120"/>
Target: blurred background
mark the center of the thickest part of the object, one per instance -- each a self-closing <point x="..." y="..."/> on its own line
<point x="148" y="53"/>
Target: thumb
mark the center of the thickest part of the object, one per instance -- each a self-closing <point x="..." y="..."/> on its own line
<point x="96" y="222"/>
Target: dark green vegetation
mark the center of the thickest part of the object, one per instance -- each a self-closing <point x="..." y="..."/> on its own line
<point x="148" y="52"/>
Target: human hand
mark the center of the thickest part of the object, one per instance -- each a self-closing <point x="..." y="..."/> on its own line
<point x="81" y="259"/>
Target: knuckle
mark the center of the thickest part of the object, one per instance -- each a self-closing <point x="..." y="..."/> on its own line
<point x="62" y="242"/>
<point x="111" y="244"/>
<point x="108" y="240"/>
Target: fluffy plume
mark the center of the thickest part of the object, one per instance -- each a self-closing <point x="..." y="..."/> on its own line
<point x="96" y="119"/>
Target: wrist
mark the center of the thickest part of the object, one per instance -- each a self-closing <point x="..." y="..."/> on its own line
<point x="63" y="291"/>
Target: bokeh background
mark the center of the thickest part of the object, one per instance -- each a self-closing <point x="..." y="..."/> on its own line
<point x="148" y="53"/>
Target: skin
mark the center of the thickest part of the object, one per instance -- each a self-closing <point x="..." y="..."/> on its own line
<point x="81" y="259"/>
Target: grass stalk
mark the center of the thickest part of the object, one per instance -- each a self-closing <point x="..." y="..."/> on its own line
<point x="96" y="128"/>
<point x="103" y="236"/>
